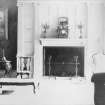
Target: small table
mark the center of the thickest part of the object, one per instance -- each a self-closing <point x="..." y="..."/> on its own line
<point x="17" y="83"/>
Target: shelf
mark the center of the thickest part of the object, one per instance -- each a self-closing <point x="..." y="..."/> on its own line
<point x="16" y="80"/>
<point x="62" y="42"/>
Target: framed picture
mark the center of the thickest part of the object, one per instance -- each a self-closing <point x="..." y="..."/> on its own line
<point x="3" y="23"/>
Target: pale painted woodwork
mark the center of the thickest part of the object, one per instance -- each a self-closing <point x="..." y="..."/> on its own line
<point x="91" y="13"/>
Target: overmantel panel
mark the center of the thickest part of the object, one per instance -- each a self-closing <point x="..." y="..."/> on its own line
<point x="25" y="28"/>
<point x="54" y="1"/>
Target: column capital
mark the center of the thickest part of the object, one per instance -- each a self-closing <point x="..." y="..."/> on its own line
<point x="24" y="2"/>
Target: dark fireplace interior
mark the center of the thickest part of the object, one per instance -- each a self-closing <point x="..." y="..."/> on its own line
<point x="63" y="61"/>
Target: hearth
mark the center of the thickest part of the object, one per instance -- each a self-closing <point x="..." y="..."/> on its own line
<point x="63" y="61"/>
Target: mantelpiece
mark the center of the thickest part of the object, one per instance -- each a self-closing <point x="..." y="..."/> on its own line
<point x="61" y="55"/>
<point x="62" y="42"/>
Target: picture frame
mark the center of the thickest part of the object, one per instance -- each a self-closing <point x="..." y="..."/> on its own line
<point x="3" y="23"/>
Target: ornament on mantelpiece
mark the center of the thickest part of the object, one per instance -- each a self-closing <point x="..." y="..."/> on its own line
<point x="62" y="28"/>
<point x="45" y="28"/>
<point x="80" y="28"/>
<point x="76" y="65"/>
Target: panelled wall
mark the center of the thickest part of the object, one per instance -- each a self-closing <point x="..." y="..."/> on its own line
<point x="96" y="20"/>
<point x="34" y="14"/>
<point x="26" y="30"/>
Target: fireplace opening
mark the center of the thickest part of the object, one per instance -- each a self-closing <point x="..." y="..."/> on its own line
<point x="63" y="61"/>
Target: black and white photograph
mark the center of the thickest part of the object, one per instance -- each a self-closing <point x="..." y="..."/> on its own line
<point x="52" y="52"/>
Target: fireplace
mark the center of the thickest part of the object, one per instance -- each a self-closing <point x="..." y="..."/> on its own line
<point x="63" y="61"/>
<point x="63" y="57"/>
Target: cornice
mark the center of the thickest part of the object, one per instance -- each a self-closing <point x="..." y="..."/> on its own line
<point x="23" y="2"/>
<point x="30" y="1"/>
